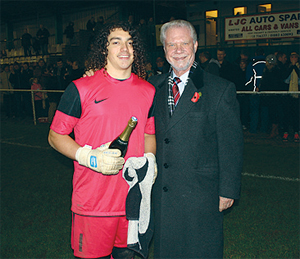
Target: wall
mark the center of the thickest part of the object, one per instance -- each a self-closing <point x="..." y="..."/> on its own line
<point x="196" y="14"/>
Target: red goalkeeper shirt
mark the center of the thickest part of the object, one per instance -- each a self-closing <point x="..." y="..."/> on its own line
<point x="98" y="108"/>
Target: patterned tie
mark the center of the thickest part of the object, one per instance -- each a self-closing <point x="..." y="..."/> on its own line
<point x="175" y="89"/>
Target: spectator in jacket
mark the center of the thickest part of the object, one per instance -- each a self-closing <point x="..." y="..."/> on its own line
<point x="69" y="31"/>
<point x="149" y="70"/>
<point x="16" y="80"/>
<point x="8" y="96"/>
<point x="42" y="64"/>
<point x="43" y="35"/>
<point x="26" y="43"/>
<point x="227" y="69"/>
<point x="282" y="66"/>
<point x="91" y="24"/>
<point x="160" y="66"/>
<point x="269" y="103"/>
<point x="26" y="74"/>
<point x="254" y="73"/>
<point x="244" y="55"/>
<point x="49" y="82"/>
<point x="99" y="24"/>
<point x="74" y="72"/>
<point x="60" y="72"/>
<point x="242" y="98"/>
<point x="209" y="64"/>
<point x="292" y="103"/>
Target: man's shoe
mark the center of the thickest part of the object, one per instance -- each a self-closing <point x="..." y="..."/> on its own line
<point x="296" y="137"/>
<point x="285" y="137"/>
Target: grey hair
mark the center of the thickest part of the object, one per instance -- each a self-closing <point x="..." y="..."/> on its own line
<point x="177" y="24"/>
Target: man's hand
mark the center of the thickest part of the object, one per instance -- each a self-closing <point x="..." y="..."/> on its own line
<point x="89" y="73"/>
<point x="102" y="159"/>
<point x="225" y="203"/>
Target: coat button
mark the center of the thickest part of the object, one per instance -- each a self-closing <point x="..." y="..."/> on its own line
<point x="165" y="189"/>
<point x="167" y="141"/>
<point x="166" y="165"/>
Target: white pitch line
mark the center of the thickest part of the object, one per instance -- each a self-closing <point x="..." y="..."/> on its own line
<point x="273" y="177"/>
<point x="22" y="145"/>
<point x="245" y="174"/>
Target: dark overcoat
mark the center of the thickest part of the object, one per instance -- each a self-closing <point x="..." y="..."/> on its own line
<point x="199" y="157"/>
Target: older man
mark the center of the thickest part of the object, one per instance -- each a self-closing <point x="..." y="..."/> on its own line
<point x="199" y="151"/>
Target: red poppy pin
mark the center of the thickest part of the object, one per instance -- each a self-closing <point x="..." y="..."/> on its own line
<point x="196" y="97"/>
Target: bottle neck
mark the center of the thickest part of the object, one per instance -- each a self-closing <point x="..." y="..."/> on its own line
<point x="126" y="133"/>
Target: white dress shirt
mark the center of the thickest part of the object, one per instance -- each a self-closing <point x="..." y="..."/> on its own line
<point x="183" y="82"/>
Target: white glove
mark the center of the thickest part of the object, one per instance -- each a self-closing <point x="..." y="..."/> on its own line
<point x="102" y="159"/>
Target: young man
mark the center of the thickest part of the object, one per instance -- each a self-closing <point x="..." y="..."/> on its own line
<point x="97" y="109"/>
<point x="199" y="151"/>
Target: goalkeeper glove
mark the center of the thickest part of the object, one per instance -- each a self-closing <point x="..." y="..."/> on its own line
<point x="102" y="159"/>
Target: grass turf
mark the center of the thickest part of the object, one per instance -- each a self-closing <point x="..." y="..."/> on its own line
<point x="36" y="187"/>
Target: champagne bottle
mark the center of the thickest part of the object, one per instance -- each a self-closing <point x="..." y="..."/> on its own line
<point x="121" y="142"/>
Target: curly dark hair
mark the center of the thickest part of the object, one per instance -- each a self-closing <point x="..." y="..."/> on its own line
<point x="97" y="58"/>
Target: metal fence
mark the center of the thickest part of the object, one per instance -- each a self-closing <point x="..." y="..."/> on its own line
<point x="61" y="91"/>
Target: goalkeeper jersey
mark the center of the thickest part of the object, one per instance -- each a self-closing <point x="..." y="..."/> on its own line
<point x="97" y="109"/>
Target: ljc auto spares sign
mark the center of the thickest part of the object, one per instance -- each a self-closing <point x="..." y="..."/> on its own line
<point x="263" y="26"/>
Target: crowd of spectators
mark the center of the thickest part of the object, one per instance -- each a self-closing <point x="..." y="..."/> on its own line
<point x="275" y="115"/>
<point x="272" y="114"/>
<point x="36" y="76"/>
<point x="35" y="45"/>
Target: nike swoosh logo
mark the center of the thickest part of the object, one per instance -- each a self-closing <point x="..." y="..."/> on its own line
<point x="100" y="101"/>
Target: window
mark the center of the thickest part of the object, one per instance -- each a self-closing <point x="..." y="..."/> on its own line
<point x="211" y="14"/>
<point x="240" y="10"/>
<point x="264" y="8"/>
<point x="211" y="27"/>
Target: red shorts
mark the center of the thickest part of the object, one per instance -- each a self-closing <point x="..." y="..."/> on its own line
<point x="94" y="237"/>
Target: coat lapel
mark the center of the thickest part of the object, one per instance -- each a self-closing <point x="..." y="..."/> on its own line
<point x="185" y="103"/>
<point x="162" y="110"/>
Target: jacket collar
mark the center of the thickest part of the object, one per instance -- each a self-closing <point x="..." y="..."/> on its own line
<point x="196" y="77"/>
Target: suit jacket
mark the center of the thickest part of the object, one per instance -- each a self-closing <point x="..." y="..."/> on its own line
<point x="199" y="157"/>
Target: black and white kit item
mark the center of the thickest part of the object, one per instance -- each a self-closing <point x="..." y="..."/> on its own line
<point x="140" y="174"/>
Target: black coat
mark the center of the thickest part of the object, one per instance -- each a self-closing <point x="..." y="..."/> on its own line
<point x="43" y="35"/>
<point x="199" y="157"/>
<point x="26" y="40"/>
<point x="228" y="71"/>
